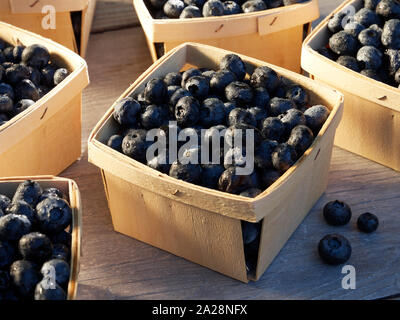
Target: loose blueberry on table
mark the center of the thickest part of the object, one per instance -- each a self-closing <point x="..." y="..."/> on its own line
<point x="370" y="43"/>
<point x="185" y="9"/>
<point x="26" y="75"/>
<point x="33" y="243"/>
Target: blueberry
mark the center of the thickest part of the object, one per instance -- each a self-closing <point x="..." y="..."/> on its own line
<point x="316" y="117"/>
<point x="354" y="28"/>
<point x="24" y="276"/>
<point x="349" y="62"/>
<point x="393" y="57"/>
<point x="212" y="112"/>
<point x="337" y="213"/>
<point x="22" y="105"/>
<point x="259" y="115"/>
<point x="60" y="75"/>
<point x="251" y="193"/>
<point x="213" y="8"/>
<point x="16" y="73"/>
<point x="5" y="281"/>
<point x="190" y="12"/>
<point x="155" y="91"/>
<point x="278" y="105"/>
<point x="236" y="157"/>
<point x="154" y="116"/>
<point x="388" y="9"/>
<point x="126" y="111"/>
<point x="7" y="254"/>
<point x="235" y="64"/>
<point x="197" y="3"/>
<point x="291" y="119"/>
<point x="213" y="135"/>
<point x="60" y="251"/>
<point x="220" y="80"/>
<point x="48" y="75"/>
<point x="254" y="5"/>
<point x="187" y="172"/>
<point x="301" y="138"/>
<point x="397" y="76"/>
<point x="371" y="36"/>
<point x="298" y="95"/>
<point x="334" y="249"/>
<point x="173" y="8"/>
<point x="13" y="227"/>
<point x="250" y="231"/>
<point x="115" y="142"/>
<point x="328" y="53"/>
<point x="283" y="157"/>
<point x="187" y="111"/>
<point x="391" y="34"/>
<point x="263" y="154"/>
<point x="35" y="76"/>
<point x="343" y="43"/>
<point x="6" y="89"/>
<point x="28" y="191"/>
<point x="53" y="215"/>
<point x="369" y="57"/>
<point x="160" y="163"/>
<point x="367" y="222"/>
<point x="272" y="128"/>
<point x="35" y="247"/>
<point x="20" y="207"/>
<point x="335" y="23"/>
<point x="51" y="193"/>
<point x="173" y="79"/>
<point x="210" y="174"/>
<point x="268" y="177"/>
<point x="63" y="237"/>
<point x="266" y="78"/>
<point x="231" y="7"/>
<point x="231" y="182"/>
<point x="36" y="56"/>
<point x="239" y="93"/>
<point x="177" y="95"/>
<point x="188" y="74"/>
<point x="371" y="4"/>
<point x="43" y="291"/>
<point x="367" y="17"/>
<point x="135" y="144"/>
<point x="4" y="202"/>
<point x="240" y="115"/>
<point x="157" y="4"/>
<point x="26" y="89"/>
<point x="240" y="131"/>
<point x="61" y="268"/>
<point x="373" y="74"/>
<point x="9" y="54"/>
<point x="198" y="86"/>
<point x="6" y="104"/>
<point x="261" y="98"/>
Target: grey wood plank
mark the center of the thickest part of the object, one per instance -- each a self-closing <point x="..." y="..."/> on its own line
<point x="114" y="266"/>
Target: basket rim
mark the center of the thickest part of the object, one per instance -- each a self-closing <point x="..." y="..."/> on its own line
<point x="76" y="225"/>
<point x="353" y="77"/>
<point x="251" y="202"/>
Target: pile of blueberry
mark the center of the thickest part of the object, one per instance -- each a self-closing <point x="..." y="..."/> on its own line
<point x="26" y="75"/>
<point x="34" y="244"/>
<point x="335" y="249"/>
<point x="221" y="105"/>
<point x="184" y="9"/>
<point x="369" y="42"/>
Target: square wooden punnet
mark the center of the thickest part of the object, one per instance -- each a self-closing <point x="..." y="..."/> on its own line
<point x="200" y="224"/>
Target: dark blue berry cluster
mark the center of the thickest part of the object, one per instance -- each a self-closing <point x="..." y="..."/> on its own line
<point x="184" y="9"/>
<point x="334" y="248"/>
<point x="26" y="75"/>
<point x="35" y="247"/>
<point x="369" y="41"/>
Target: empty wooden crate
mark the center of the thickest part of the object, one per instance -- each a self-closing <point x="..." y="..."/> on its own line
<point x="200" y="224"/>
<point x="273" y="35"/>
<point x="371" y="120"/>
<point x="69" y="188"/>
<point x="73" y="19"/>
<point x="46" y="137"/>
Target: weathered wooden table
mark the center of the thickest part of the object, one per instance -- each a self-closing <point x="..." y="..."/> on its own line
<point x="114" y="266"/>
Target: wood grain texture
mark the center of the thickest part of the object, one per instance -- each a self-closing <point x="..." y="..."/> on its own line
<point x="114" y="266"/>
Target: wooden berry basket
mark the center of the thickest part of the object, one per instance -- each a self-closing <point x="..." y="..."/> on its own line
<point x="27" y="14"/>
<point x="46" y="137"/>
<point x="371" y="121"/>
<point x="273" y="35"/>
<point x="201" y="224"/>
<point x="8" y="186"/>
